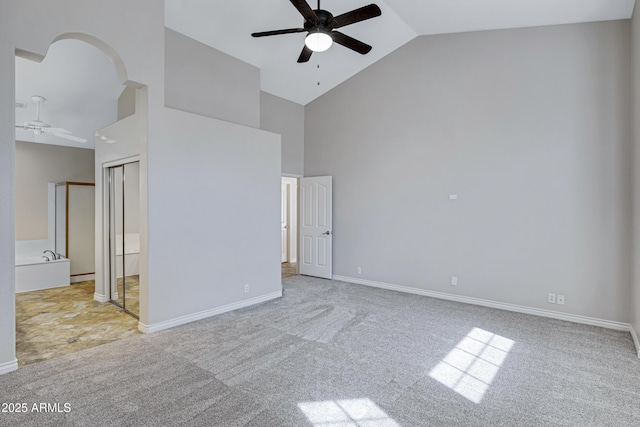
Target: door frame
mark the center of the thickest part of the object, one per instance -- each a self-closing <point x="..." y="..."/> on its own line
<point x="294" y="211"/>
<point x="285" y="214"/>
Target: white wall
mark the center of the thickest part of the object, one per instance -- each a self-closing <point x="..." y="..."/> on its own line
<point x="635" y="43"/>
<point x="7" y="217"/>
<point x="203" y="80"/>
<point x="286" y="118"/>
<point x="217" y="186"/>
<point x="127" y="103"/>
<point x="530" y="127"/>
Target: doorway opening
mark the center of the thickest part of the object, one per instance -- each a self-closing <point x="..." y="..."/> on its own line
<point x="289" y="227"/>
<point x="55" y="145"/>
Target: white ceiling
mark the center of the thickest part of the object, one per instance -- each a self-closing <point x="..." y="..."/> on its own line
<point x="227" y="26"/>
<point x="82" y="88"/>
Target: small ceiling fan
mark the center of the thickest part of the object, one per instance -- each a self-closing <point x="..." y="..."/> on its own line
<point x="320" y="26"/>
<point x="38" y="127"/>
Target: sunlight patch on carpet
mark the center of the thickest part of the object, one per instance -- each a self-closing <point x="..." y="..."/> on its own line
<point x="469" y="369"/>
<point x="346" y="413"/>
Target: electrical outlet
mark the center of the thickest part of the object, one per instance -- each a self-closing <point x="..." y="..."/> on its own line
<point x="359" y="270"/>
<point x="454" y="280"/>
<point x="551" y="298"/>
<point x="560" y="299"/>
<point x="246" y="288"/>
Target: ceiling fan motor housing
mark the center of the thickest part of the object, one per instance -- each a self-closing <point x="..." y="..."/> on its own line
<point x="325" y="21"/>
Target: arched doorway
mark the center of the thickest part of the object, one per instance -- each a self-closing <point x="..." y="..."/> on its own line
<point x="73" y="317"/>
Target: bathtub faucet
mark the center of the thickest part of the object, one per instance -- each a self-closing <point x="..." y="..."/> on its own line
<point x="53" y="254"/>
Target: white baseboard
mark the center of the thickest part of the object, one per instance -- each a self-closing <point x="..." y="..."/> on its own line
<point x="7" y="367"/>
<point x="76" y="279"/>
<point x="636" y="341"/>
<point x="155" y="327"/>
<point x="609" y="324"/>
<point x="100" y="298"/>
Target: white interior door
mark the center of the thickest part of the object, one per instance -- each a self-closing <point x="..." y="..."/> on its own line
<point x="284" y="220"/>
<point x="315" y="226"/>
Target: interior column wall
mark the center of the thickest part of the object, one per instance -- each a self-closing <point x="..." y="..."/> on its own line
<point x="7" y="220"/>
<point x="635" y="285"/>
<point x="215" y="191"/>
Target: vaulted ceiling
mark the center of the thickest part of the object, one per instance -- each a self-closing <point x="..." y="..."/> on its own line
<point x="227" y="26"/>
<point x="82" y="88"/>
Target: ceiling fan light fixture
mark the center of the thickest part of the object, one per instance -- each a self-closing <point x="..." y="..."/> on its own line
<point x="318" y="41"/>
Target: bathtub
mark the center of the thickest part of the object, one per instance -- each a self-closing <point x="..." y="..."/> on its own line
<point x="35" y="273"/>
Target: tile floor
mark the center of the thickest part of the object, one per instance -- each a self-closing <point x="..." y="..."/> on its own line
<point x="132" y="294"/>
<point x="54" y="322"/>
<point x="289" y="269"/>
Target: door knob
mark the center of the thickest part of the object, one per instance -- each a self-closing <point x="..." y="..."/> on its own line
<point x="327" y="233"/>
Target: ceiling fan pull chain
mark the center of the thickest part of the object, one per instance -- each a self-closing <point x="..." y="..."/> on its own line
<point x="318" y="66"/>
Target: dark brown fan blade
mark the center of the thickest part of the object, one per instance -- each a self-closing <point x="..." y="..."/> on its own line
<point x="305" y="10"/>
<point x="350" y="42"/>
<point x="278" y="32"/>
<point x="305" y="55"/>
<point x="357" y="15"/>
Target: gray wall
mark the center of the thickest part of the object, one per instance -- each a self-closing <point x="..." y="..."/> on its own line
<point x="286" y="118"/>
<point x="530" y="127"/>
<point x="127" y="103"/>
<point x="205" y="81"/>
<point x="36" y="166"/>
<point x="635" y="42"/>
<point x="219" y="200"/>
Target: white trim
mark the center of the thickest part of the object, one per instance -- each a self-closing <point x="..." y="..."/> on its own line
<point x="100" y="298"/>
<point x="292" y="175"/>
<point x="82" y="278"/>
<point x="7" y="367"/>
<point x="120" y="162"/>
<point x="636" y="341"/>
<point x="609" y="324"/>
<point x="149" y="329"/>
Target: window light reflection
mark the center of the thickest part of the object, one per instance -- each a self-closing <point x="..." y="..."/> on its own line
<point x="469" y="369"/>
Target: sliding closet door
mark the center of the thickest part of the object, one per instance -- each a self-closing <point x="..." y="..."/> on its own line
<point x="124" y="236"/>
<point x="116" y="233"/>
<point x="131" y="254"/>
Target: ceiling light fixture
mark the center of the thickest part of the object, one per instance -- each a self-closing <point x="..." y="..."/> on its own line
<point x="318" y="41"/>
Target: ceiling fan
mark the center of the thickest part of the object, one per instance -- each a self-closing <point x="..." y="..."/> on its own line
<point x="320" y="26"/>
<point x="38" y="127"/>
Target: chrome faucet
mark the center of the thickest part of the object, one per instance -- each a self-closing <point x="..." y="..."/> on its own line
<point x="53" y="254"/>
